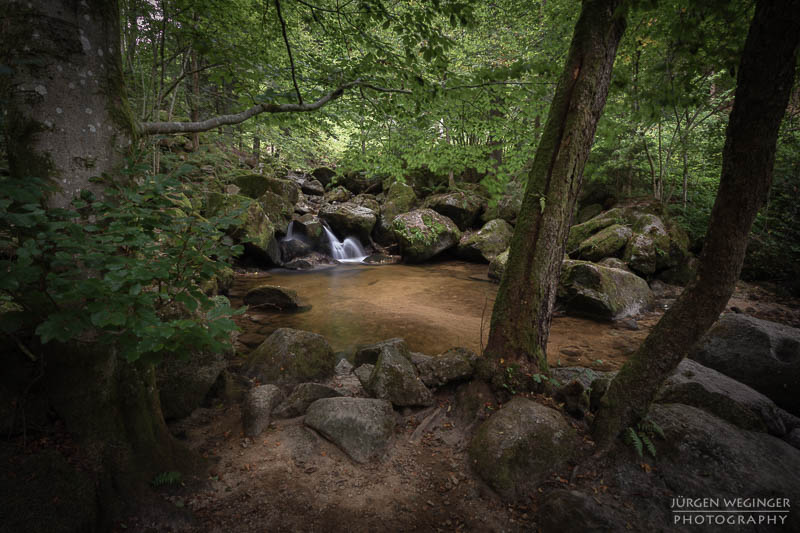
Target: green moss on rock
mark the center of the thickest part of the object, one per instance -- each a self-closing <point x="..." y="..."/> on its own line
<point x="423" y="233"/>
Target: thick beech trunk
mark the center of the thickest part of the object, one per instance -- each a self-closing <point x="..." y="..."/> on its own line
<point x="765" y="80"/>
<point x="68" y="121"/>
<point x="524" y="306"/>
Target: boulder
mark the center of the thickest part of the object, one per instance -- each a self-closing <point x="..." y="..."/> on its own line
<point x="278" y="208"/>
<point x="487" y="243"/>
<point x="359" y="181"/>
<point x="463" y="208"/>
<point x="614" y="262"/>
<point x="308" y="184"/>
<point x="762" y="354"/>
<point x="183" y="384"/>
<point x="497" y="267"/>
<point x="301" y="397"/>
<point x="605" y="243"/>
<point x="307" y="228"/>
<point x="338" y="195"/>
<point x="423" y="233"/>
<point x="369" y="354"/>
<point x="696" y="385"/>
<point x="395" y="379"/>
<point x="274" y="298"/>
<point x="349" y="220"/>
<point x="255" y="185"/>
<point x="253" y="227"/>
<point x="367" y="200"/>
<point x="290" y="357"/>
<point x="363" y="372"/>
<point x="361" y="427"/>
<point x="580" y="232"/>
<point x="455" y="364"/>
<point x="292" y="249"/>
<point x="257" y="408"/>
<point x="400" y="198"/>
<point x="705" y="455"/>
<point x="605" y="293"/>
<point x="520" y="446"/>
<point x="572" y="511"/>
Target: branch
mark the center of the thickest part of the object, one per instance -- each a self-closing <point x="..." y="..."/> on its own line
<point x="151" y="128"/>
<point x="288" y="50"/>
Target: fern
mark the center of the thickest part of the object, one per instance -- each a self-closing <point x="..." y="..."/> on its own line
<point x="166" y="478"/>
<point x="648" y="444"/>
<point x="633" y="439"/>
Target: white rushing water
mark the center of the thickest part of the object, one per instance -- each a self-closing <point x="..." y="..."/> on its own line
<point x="347" y="251"/>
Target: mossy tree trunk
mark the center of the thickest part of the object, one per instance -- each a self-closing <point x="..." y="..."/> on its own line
<point x="523" y="309"/>
<point x="68" y="121"/>
<point x="766" y="75"/>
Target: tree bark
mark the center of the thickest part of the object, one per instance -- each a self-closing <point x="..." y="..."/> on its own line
<point x="766" y="74"/>
<point x="68" y="121"/>
<point x="524" y="306"/>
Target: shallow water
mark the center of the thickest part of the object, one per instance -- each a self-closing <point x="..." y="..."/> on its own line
<point x="432" y="306"/>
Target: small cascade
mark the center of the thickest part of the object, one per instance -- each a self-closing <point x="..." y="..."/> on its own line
<point x="291" y="234"/>
<point x="347" y="251"/>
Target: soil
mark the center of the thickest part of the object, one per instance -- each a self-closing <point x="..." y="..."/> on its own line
<point x="292" y="479"/>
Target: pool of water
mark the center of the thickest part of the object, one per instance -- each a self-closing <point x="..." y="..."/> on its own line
<point x="434" y="307"/>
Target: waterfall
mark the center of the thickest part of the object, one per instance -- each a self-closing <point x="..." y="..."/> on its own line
<point x="347" y="251"/>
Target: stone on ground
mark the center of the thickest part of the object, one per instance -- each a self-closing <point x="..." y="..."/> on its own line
<point x="455" y="364"/>
<point x="361" y="427"/>
<point x="301" y="397"/>
<point x="486" y="243"/>
<point x="395" y="379"/>
<point x="257" y="409"/>
<point x="291" y="356"/>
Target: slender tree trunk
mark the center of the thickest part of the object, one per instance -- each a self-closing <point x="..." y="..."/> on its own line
<point x="766" y="74"/>
<point x="68" y="120"/>
<point x="195" y="97"/>
<point x="524" y="306"/>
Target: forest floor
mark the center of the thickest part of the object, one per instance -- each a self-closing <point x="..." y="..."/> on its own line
<point x="291" y="479"/>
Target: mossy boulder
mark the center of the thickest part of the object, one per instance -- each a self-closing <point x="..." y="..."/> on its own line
<point x="605" y="243"/>
<point x="600" y="292"/>
<point x="497" y="267"/>
<point x="370" y="201"/>
<point x="399" y="198"/>
<point x="520" y="446"/>
<point x="423" y="233"/>
<point x="463" y="208"/>
<point x="324" y="175"/>
<point x="455" y="364"/>
<point x="349" y="220"/>
<point x="486" y="243"/>
<point x="290" y="357"/>
<point x="255" y="185"/>
<point x="651" y="249"/>
<point x="253" y="227"/>
<point x="338" y="195"/>
<point x="580" y="232"/>
<point x="588" y="212"/>
<point x="278" y="208"/>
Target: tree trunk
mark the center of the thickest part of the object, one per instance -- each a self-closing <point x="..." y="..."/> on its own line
<point x="766" y="74"/>
<point x="524" y="306"/>
<point x="68" y="120"/>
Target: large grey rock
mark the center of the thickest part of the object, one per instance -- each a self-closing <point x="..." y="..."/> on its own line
<point x="580" y="232"/>
<point x="349" y="220"/>
<point x="338" y="195"/>
<point x="369" y="354"/>
<point x="762" y="354"/>
<point x="400" y="198"/>
<point x="257" y="408"/>
<point x="301" y="397"/>
<point x="487" y="243"/>
<point x="278" y="208"/>
<point x="361" y="427"/>
<point x="255" y="185"/>
<point x="453" y="365"/>
<point x="605" y="243"/>
<point x="423" y="233"/>
<point x="273" y="297"/>
<point x="183" y="384"/>
<point x="395" y="379"/>
<point x="463" y="208"/>
<point x="363" y="372"/>
<point x="290" y="357"/>
<point x="705" y="455"/>
<point x="520" y="445"/>
<point x="705" y="388"/>
<point x="605" y="293"/>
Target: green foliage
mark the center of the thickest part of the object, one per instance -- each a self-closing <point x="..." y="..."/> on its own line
<point x="125" y="271"/>
<point x="641" y="437"/>
<point x="165" y="479"/>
